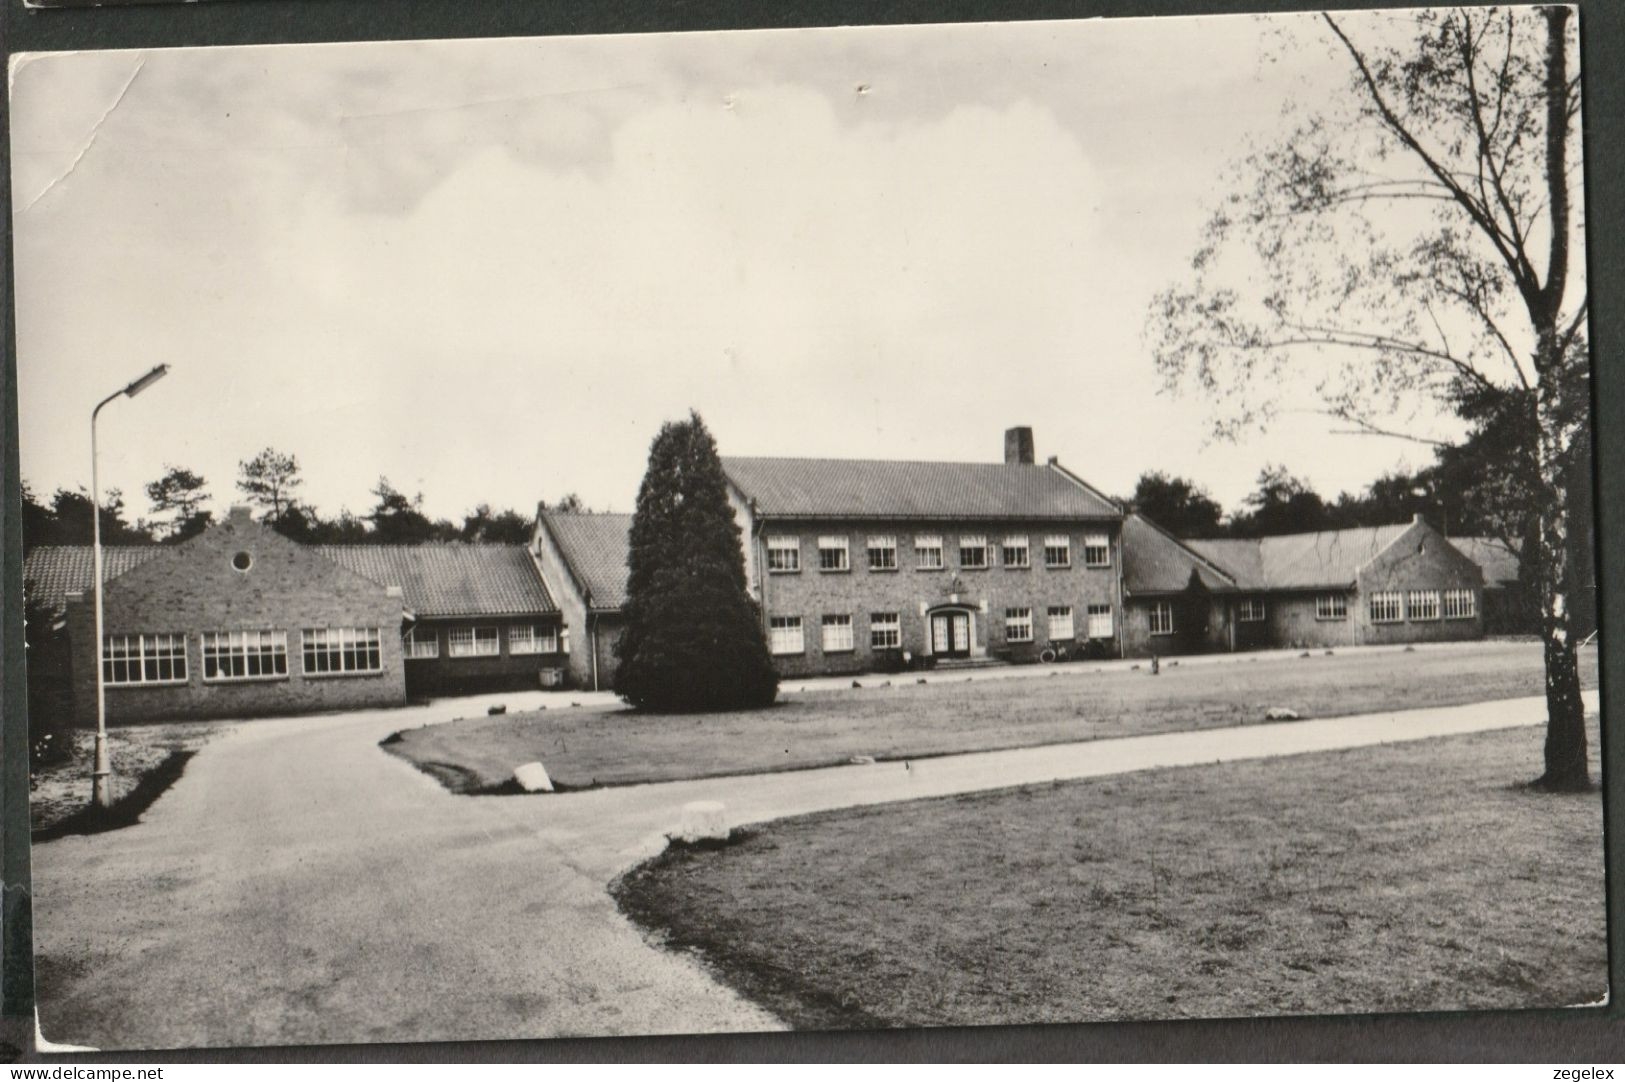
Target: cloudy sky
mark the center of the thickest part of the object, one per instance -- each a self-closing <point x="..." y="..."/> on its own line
<point x="490" y="269"/>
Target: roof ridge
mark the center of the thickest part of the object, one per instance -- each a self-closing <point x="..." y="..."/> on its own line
<point x="877" y="461"/>
<point x="1171" y="537"/>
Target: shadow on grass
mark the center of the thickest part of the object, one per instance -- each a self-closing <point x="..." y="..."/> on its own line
<point x="127" y="809"/>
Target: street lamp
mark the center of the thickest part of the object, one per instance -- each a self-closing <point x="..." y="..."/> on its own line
<point x="101" y="789"/>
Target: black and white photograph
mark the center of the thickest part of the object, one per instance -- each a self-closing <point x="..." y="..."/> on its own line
<point x="843" y="528"/>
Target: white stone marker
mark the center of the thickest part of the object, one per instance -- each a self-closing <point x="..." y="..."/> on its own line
<point x="703" y="820"/>
<point x="532" y="778"/>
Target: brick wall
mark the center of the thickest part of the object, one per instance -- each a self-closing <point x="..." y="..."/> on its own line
<point x="604" y="635"/>
<point x="911" y="591"/>
<point x="1421" y="559"/>
<point x="194" y="588"/>
<point x="1138" y="641"/>
<point x="1294" y="621"/>
<point x="448" y="675"/>
<point x="566" y="593"/>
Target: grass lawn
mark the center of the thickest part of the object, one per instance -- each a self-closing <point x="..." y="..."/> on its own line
<point x="1406" y="877"/>
<point x="145" y="760"/>
<point x="894" y="717"/>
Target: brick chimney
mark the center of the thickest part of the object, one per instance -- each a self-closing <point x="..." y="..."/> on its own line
<point x="1018" y="446"/>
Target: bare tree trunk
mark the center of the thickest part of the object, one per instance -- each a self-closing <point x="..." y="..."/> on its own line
<point x="1558" y="429"/>
<point x="1566" y="767"/>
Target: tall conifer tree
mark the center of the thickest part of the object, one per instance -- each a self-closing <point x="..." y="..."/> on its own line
<point x="693" y="638"/>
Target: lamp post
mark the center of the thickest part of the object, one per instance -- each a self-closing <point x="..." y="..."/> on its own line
<point x="102" y="772"/>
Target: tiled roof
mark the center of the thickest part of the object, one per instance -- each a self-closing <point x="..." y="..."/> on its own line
<point x="859" y="488"/>
<point x="435" y="580"/>
<point x="1301" y="561"/>
<point x="1241" y="557"/>
<point x="1498" y="562"/>
<point x="452" y="579"/>
<point x="1155" y="562"/>
<point x="52" y="572"/>
<point x="595" y="547"/>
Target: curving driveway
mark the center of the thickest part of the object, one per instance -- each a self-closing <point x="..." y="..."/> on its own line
<point x="299" y="885"/>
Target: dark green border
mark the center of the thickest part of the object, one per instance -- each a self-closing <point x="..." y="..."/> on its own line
<point x="1574" y="1037"/>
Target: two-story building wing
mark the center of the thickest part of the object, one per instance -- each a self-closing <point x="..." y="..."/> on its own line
<point x="862" y="564"/>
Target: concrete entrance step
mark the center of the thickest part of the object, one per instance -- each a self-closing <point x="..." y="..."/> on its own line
<point x="951" y="663"/>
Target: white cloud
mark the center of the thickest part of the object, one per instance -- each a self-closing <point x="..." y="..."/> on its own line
<point x="491" y="269"/>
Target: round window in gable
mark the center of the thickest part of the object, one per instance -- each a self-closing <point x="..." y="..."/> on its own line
<point x="242" y="561"/>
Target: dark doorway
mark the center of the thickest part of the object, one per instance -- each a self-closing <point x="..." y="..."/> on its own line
<point x="950" y="634"/>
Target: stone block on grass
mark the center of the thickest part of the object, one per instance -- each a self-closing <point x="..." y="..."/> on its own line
<point x="703" y="820"/>
<point x="532" y="778"/>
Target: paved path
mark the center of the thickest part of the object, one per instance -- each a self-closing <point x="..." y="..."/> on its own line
<point x="298" y="885"/>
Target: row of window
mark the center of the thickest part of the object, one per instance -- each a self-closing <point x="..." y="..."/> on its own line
<point x="240" y="655"/>
<point x="787" y="635"/>
<point x="1018" y="623"/>
<point x="1392" y="606"/>
<point x="975" y="552"/>
<point x="1387" y="607"/>
<point x="483" y="642"/>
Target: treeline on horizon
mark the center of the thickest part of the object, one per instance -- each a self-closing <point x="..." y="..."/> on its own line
<point x="1469" y="491"/>
<point x="270" y="483"/>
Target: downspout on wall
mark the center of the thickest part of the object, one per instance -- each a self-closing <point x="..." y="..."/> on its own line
<point x="1120" y="620"/>
<point x="592" y="639"/>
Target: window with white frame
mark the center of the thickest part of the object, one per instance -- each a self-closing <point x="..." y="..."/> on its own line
<point x="1060" y="623"/>
<point x="1097" y="550"/>
<point x="783" y="554"/>
<point x="833" y="555"/>
<point x="1057" y="550"/>
<point x="342" y="650"/>
<point x="784" y="635"/>
<point x="1100" y="621"/>
<point x="1387" y="607"/>
<point x="1460" y="604"/>
<point x="928" y="552"/>
<point x="1422" y="605"/>
<point x="1018" y="625"/>
<point x="527" y="639"/>
<point x="973" y="550"/>
<point x="421" y="642"/>
<point x="144" y="659"/>
<point x="1016" y="553"/>
<point x="885" y="631"/>
<point x="882" y="553"/>
<point x="837" y="633"/>
<point x="1331" y="607"/>
<point x="1250" y="611"/>
<point x="472" y="642"/>
<point x="244" y="655"/>
<point x="1162" y="618"/>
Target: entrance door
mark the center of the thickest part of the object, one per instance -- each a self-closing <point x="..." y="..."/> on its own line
<point x="950" y="634"/>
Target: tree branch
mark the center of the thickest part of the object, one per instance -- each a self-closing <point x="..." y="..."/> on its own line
<point x="1479" y="214"/>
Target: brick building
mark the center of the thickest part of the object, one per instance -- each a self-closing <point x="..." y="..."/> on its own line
<point x="480" y="617"/>
<point x="583" y="558"/>
<point x="1176" y="601"/>
<point x="1382" y="584"/>
<point x="241" y="621"/>
<point x="235" y="622"/>
<point x="869" y="564"/>
<point x="1511" y="603"/>
<point x="855" y="565"/>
